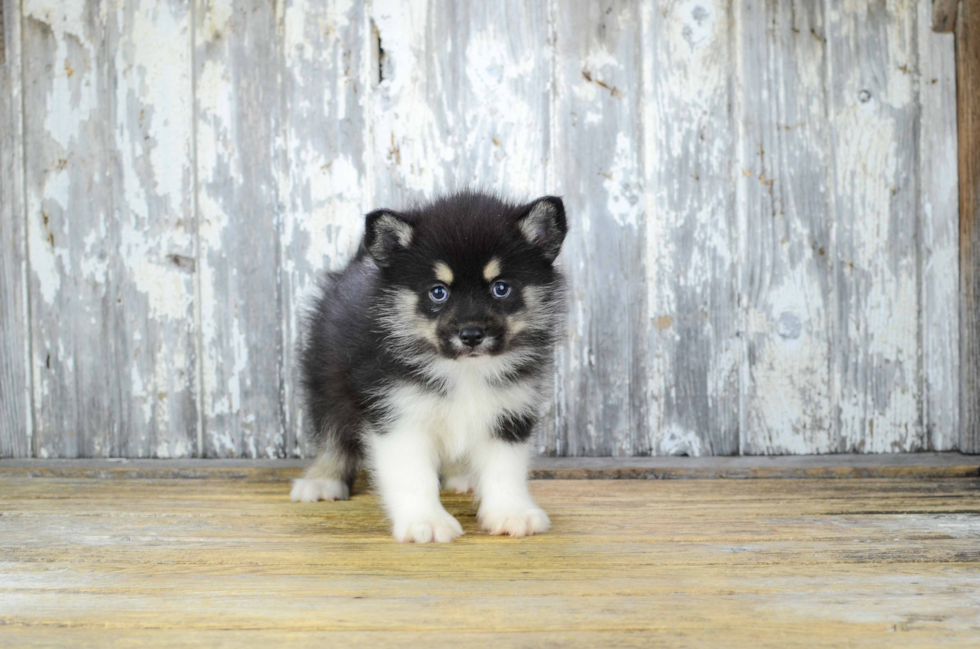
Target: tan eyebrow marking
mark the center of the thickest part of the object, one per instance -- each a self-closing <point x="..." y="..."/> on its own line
<point x="443" y="272"/>
<point x="491" y="270"/>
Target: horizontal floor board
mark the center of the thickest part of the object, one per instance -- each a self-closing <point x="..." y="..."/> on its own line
<point x="911" y="465"/>
<point x="754" y="563"/>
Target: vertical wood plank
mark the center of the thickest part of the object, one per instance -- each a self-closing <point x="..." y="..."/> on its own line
<point x="109" y="227"/>
<point x="939" y="245"/>
<point x="689" y="148"/>
<point x="69" y="208"/>
<point x="153" y="266"/>
<point x="598" y="169"/>
<point x="237" y="93"/>
<point x="326" y="76"/>
<point x="785" y="230"/>
<point x="15" y="362"/>
<point x="794" y="139"/>
<point x="874" y="121"/>
<point x="968" y="130"/>
<point x="462" y="99"/>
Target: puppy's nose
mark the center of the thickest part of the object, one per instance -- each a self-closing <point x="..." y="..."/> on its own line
<point x="471" y="336"/>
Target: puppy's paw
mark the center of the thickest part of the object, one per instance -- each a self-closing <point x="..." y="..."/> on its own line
<point x="524" y="522"/>
<point x="438" y="527"/>
<point x="461" y="484"/>
<point x="306" y="490"/>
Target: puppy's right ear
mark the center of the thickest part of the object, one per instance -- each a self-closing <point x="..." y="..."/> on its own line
<point x="543" y="225"/>
<point x="385" y="234"/>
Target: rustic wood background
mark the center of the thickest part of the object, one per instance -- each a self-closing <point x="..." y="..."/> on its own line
<point x="763" y="198"/>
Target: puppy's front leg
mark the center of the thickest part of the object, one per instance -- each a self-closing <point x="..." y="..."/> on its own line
<point x="405" y="467"/>
<point x="506" y="506"/>
<point x="456" y="477"/>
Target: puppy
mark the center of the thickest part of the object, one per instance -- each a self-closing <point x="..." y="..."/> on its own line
<point x="431" y="353"/>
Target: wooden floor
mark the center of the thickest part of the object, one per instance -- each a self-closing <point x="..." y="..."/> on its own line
<point x="217" y="562"/>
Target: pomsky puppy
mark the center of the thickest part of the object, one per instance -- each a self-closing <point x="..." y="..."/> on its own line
<point x="430" y="354"/>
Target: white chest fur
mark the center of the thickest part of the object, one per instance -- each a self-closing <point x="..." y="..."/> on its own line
<point x="464" y="417"/>
<point x="451" y="431"/>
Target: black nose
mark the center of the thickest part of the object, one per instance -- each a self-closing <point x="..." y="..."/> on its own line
<point x="471" y="336"/>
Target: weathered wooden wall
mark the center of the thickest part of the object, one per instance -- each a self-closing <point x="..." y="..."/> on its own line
<point x="763" y="195"/>
<point x="968" y="114"/>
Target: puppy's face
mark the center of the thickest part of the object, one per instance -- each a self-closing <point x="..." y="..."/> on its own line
<point x="470" y="276"/>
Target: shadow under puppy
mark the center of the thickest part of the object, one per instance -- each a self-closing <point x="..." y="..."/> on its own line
<point x="431" y="353"/>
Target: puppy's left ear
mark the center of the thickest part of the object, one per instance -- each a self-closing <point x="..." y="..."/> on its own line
<point x="386" y="233"/>
<point x="543" y="225"/>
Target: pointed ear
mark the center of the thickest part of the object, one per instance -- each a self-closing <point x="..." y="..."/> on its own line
<point x="543" y="225"/>
<point x="386" y="233"/>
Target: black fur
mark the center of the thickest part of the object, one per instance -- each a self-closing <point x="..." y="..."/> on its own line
<point x="515" y="428"/>
<point x="359" y="340"/>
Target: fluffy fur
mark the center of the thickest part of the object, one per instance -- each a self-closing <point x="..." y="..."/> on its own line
<point x="431" y="353"/>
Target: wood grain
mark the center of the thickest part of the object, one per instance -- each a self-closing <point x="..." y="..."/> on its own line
<point x="153" y="212"/>
<point x="785" y="232"/>
<point x="15" y="360"/>
<point x="761" y="198"/>
<point x="627" y="563"/>
<point x="238" y="122"/>
<point x="968" y="130"/>
<point x="596" y="151"/>
<point x="919" y="466"/>
<point x="462" y="99"/>
<point x="326" y="78"/>
<point x="694" y="356"/>
<point x="877" y="267"/>
<point x="938" y="211"/>
<point x="69" y="192"/>
<point x="109" y="211"/>
<point x="943" y="15"/>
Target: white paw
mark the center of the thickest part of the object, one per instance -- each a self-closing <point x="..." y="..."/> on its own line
<point x="461" y="484"/>
<point x="307" y="490"/>
<point x="520" y="523"/>
<point x="438" y="527"/>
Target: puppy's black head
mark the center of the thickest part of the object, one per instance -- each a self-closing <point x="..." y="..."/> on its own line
<point x="470" y="275"/>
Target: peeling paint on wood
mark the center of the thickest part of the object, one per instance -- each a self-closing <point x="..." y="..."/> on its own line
<point x="153" y="206"/>
<point x="237" y="117"/>
<point x="873" y="117"/>
<point x="15" y="361"/>
<point x="109" y="197"/>
<point x="462" y="101"/>
<point x="691" y="233"/>
<point x="938" y="212"/>
<point x="326" y="78"/>
<point x="785" y="232"/>
<point x="596" y="151"/>
<point x="75" y="398"/>
<point x="761" y="197"/>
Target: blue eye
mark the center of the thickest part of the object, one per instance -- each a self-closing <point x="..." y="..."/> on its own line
<point x="439" y="293"/>
<point x="501" y="290"/>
